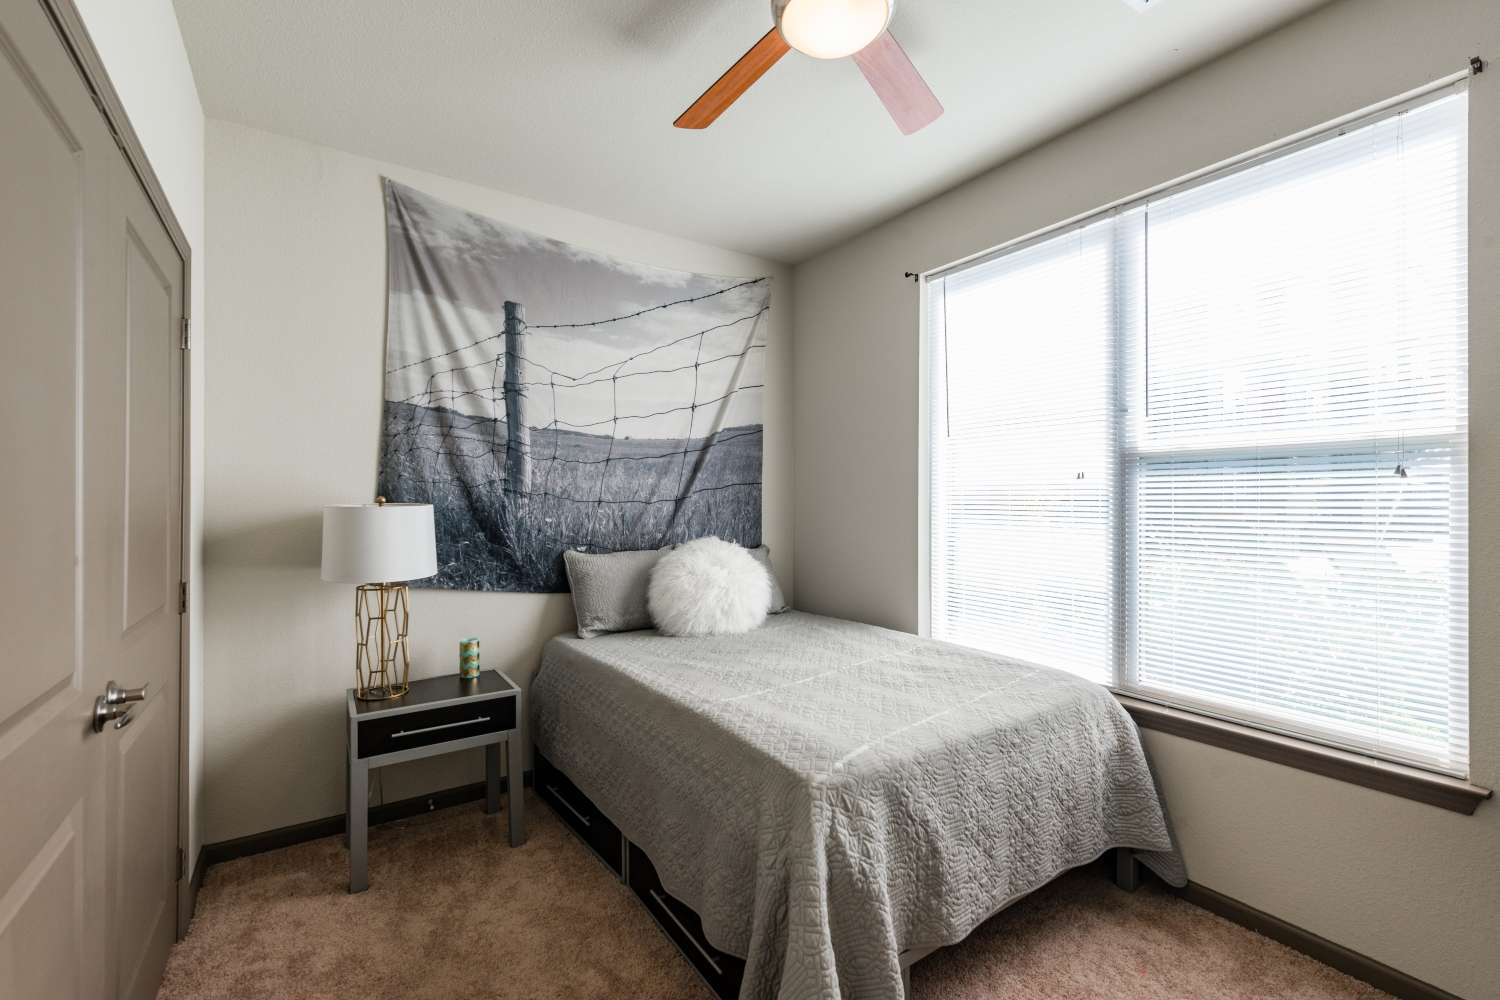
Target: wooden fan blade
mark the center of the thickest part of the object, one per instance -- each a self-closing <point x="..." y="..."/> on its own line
<point x="728" y="88"/>
<point x="898" y="84"/>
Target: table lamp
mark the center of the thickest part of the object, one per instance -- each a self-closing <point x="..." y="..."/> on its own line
<point x="389" y="543"/>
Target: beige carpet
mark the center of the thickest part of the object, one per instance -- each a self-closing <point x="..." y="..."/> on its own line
<point x="453" y="913"/>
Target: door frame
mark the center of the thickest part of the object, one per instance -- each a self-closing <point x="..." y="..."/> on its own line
<point x="70" y="27"/>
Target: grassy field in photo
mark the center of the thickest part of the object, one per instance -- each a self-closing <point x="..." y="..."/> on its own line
<point x="586" y="491"/>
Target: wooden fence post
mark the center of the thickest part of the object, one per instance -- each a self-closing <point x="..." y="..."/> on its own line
<point x="517" y="433"/>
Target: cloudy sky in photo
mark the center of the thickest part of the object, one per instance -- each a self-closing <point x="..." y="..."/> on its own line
<point x="451" y="271"/>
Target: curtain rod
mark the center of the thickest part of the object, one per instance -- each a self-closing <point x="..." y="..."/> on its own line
<point x="1476" y="66"/>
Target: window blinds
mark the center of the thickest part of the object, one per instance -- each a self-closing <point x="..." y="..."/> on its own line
<point x="1024" y="455"/>
<point x="1211" y="449"/>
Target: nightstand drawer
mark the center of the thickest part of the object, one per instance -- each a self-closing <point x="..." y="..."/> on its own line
<point x="394" y="733"/>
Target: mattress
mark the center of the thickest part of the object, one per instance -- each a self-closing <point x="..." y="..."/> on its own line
<point x="827" y="794"/>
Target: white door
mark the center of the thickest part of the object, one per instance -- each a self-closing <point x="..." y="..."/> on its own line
<point x="137" y="387"/>
<point x="90" y="399"/>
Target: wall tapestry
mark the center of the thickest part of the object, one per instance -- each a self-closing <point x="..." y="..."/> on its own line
<point x="543" y="397"/>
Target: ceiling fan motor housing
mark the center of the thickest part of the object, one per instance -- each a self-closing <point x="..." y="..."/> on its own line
<point x="831" y="29"/>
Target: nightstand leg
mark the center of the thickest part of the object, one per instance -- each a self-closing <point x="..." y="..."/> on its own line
<point x="492" y="778"/>
<point x="516" y="790"/>
<point x="358" y="823"/>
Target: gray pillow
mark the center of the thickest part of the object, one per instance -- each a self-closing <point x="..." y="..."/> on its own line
<point x="778" y="599"/>
<point x="609" y="590"/>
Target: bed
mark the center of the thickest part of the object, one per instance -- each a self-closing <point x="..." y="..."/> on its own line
<point x="815" y="803"/>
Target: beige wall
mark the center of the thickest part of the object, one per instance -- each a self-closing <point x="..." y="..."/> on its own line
<point x="1410" y="885"/>
<point x="143" y="53"/>
<point x="297" y="263"/>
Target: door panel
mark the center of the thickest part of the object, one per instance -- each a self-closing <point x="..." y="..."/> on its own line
<point x="42" y="907"/>
<point x="144" y="839"/>
<point x="141" y="463"/>
<point x="149" y="572"/>
<point x="40" y="278"/>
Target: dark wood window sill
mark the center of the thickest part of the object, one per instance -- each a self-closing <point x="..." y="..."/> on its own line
<point x="1395" y="779"/>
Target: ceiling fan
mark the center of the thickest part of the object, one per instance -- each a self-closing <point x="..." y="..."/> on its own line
<point x="828" y="29"/>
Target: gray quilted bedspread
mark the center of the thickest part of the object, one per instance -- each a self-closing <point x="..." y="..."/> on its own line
<point x="827" y="794"/>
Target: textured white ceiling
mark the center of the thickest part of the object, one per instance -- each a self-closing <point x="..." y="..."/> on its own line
<point x="572" y="101"/>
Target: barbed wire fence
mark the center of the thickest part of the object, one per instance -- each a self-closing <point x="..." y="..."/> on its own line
<point x="472" y="428"/>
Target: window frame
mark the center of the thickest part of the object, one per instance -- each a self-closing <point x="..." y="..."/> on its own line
<point x="1204" y="724"/>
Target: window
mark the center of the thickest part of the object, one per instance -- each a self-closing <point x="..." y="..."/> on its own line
<point x="1210" y="448"/>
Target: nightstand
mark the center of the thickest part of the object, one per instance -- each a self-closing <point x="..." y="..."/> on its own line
<point x="438" y="715"/>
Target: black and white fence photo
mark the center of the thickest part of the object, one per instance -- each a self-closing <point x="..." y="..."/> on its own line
<point x="543" y="397"/>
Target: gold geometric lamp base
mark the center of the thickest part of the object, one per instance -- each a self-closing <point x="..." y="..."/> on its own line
<point x="381" y="613"/>
<point x="380" y="541"/>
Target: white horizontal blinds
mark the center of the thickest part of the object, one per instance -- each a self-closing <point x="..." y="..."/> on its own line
<point x="1213" y="448"/>
<point x="1295" y="450"/>
<point x="1024" y="444"/>
<point x="1320" y="293"/>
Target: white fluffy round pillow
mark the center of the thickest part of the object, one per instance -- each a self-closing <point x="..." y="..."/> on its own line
<point x="708" y="587"/>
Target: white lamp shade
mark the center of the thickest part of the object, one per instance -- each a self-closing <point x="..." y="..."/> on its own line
<point x="378" y="543"/>
<point x="831" y="29"/>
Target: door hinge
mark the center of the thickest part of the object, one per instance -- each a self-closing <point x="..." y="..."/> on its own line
<point x="186" y="328"/>
<point x="181" y="864"/>
<point x="182" y="597"/>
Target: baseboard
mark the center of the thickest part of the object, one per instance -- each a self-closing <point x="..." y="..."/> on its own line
<point x="1347" y="961"/>
<point x="329" y="826"/>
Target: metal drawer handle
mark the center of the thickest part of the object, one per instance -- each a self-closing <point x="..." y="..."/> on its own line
<point x="568" y="806"/>
<point x="687" y="933"/>
<point x="433" y="729"/>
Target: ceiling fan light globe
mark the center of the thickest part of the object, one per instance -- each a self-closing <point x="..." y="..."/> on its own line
<point x="831" y="29"/>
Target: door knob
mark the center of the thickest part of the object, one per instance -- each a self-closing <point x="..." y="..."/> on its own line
<point x="105" y="713"/>
<point x="114" y="705"/>
<point x="116" y="695"/>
